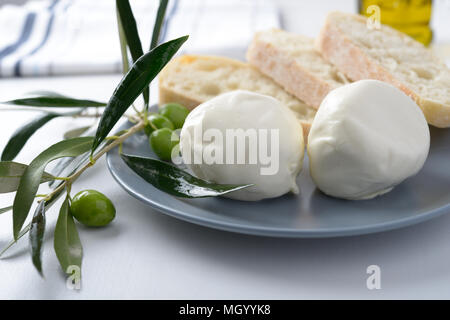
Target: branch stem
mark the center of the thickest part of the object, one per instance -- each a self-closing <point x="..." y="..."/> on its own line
<point x="117" y="142"/>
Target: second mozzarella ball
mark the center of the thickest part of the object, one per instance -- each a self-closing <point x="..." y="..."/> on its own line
<point x="366" y="138"/>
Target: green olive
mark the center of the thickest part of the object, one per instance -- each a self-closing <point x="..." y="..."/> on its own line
<point x="175" y="112"/>
<point x="158" y="121"/>
<point x="92" y="208"/>
<point x="162" y="143"/>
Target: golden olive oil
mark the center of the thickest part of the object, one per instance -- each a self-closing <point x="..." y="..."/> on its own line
<point x="409" y="16"/>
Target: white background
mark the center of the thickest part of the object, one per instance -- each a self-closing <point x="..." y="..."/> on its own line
<point x="145" y="254"/>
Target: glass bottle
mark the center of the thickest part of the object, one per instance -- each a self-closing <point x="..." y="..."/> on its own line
<point x="409" y="16"/>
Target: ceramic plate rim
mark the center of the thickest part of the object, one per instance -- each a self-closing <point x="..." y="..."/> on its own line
<point x="267" y="231"/>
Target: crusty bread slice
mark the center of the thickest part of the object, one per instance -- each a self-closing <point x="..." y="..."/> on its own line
<point x="292" y="61"/>
<point x="391" y="56"/>
<point x="193" y="79"/>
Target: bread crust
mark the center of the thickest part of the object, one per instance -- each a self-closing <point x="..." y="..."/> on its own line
<point x="293" y="78"/>
<point x="350" y="59"/>
<point x="169" y="93"/>
<point x="287" y="72"/>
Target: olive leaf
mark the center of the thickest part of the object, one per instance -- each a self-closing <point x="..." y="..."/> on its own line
<point x="10" y="174"/>
<point x="53" y="99"/>
<point x="123" y="44"/>
<point x="76" y="132"/>
<point x="67" y="242"/>
<point x="174" y="181"/>
<point x="129" y="27"/>
<point x="22" y="134"/>
<point x="25" y="230"/>
<point x="30" y="180"/>
<point x="6" y="209"/>
<point x="158" y="23"/>
<point x="37" y="230"/>
<point x="67" y="166"/>
<point x="143" y="71"/>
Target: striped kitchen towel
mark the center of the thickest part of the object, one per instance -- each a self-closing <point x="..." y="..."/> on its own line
<point x="57" y="37"/>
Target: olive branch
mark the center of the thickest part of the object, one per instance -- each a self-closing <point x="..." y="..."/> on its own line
<point x="82" y="147"/>
<point x="25" y="179"/>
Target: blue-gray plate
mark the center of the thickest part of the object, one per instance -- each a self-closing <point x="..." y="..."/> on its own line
<point x="311" y="214"/>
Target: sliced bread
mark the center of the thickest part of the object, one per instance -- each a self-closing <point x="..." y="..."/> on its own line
<point x="194" y="79"/>
<point x="388" y="55"/>
<point x="292" y="61"/>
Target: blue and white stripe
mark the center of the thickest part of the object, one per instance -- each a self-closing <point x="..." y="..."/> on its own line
<point x="51" y="9"/>
<point x="58" y="37"/>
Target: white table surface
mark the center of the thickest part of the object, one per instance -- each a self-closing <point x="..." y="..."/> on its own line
<point x="145" y="254"/>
